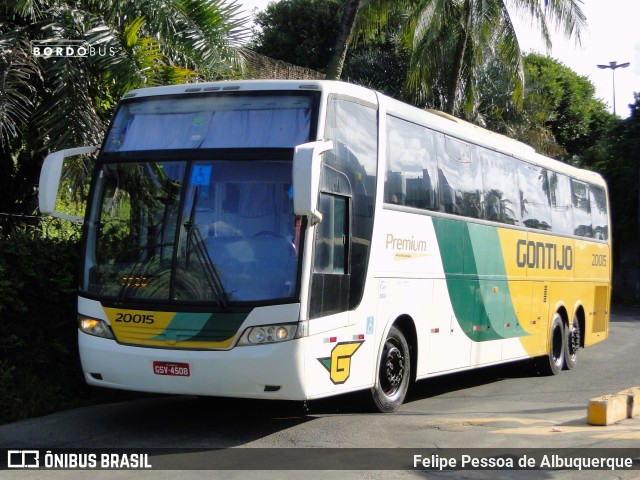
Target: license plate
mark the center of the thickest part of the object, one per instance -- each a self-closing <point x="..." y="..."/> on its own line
<point x="171" y="368"/>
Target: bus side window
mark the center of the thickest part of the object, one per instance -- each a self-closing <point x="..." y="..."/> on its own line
<point x="560" y="193"/>
<point x="411" y="165"/>
<point x="581" y="209"/>
<point x="599" y="217"/>
<point x="535" y="205"/>
<point x="500" y="200"/>
<point x="459" y="178"/>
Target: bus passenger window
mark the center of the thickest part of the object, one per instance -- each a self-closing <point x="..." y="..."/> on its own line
<point x="501" y="199"/>
<point x="581" y="209"/>
<point x="599" y="216"/>
<point x="535" y="205"/>
<point x="560" y="194"/>
<point x="459" y="178"/>
<point x="411" y="165"/>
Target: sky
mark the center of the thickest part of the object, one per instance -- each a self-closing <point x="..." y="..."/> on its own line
<point x="612" y="34"/>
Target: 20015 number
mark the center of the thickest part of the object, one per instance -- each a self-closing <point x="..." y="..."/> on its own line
<point x="147" y="319"/>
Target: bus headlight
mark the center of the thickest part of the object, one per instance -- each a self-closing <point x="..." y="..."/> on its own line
<point x="95" y="327"/>
<point x="264" y="334"/>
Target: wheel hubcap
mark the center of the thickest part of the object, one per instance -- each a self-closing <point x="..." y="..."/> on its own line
<point x="574" y="341"/>
<point x="393" y="369"/>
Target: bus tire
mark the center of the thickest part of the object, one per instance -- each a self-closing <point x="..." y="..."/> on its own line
<point x="394" y="373"/>
<point x="554" y="361"/>
<point x="571" y="344"/>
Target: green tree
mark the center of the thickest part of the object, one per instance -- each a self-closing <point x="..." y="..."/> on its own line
<point x="617" y="156"/>
<point x="343" y="38"/>
<point x="560" y="114"/>
<point x="300" y="32"/>
<point x="451" y="40"/>
<point x="379" y="65"/>
<point x="52" y="103"/>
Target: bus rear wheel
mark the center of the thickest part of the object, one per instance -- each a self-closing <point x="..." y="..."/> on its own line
<point x="554" y="361"/>
<point x="572" y="344"/>
<point x="394" y="373"/>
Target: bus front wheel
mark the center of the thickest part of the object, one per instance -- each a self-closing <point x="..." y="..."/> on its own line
<point x="394" y="373"/>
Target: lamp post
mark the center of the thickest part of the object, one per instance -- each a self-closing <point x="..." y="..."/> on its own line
<point x="613" y="66"/>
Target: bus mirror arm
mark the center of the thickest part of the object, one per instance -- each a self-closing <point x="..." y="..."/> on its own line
<point x="50" y="181"/>
<point x="307" y="165"/>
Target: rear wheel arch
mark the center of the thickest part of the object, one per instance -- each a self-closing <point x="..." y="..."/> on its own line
<point x="406" y="325"/>
<point x="562" y="311"/>
<point x="580" y="316"/>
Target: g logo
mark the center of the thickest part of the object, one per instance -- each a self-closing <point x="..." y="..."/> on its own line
<point x="339" y="363"/>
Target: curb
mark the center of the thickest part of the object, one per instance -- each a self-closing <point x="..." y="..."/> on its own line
<point x="609" y="409"/>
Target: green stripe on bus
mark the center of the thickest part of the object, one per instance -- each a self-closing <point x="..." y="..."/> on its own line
<point x="202" y="327"/>
<point x="477" y="280"/>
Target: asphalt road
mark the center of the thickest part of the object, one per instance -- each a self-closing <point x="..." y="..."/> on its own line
<point x="509" y="406"/>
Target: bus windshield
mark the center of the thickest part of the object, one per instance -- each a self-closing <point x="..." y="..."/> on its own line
<point x="212" y="121"/>
<point x="217" y="231"/>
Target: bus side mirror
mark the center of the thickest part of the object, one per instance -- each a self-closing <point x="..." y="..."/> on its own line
<point x="50" y="181"/>
<point x="307" y="163"/>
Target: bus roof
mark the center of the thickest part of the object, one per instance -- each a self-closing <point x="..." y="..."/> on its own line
<point x="328" y="86"/>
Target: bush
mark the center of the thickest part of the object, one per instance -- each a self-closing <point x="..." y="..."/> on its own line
<point x="40" y="369"/>
<point x="39" y="363"/>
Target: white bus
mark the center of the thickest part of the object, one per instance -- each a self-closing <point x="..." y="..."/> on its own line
<point x="300" y="239"/>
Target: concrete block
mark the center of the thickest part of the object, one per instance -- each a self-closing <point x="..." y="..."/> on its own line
<point x="633" y="401"/>
<point x="607" y="409"/>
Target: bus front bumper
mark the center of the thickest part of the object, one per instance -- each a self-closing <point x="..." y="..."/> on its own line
<point x="273" y="371"/>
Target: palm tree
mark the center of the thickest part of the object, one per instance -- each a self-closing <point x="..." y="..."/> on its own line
<point x="58" y="102"/>
<point x="449" y="41"/>
<point x="453" y="40"/>
<point x="345" y="31"/>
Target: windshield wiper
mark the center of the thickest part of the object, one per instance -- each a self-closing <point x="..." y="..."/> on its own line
<point x="195" y="241"/>
<point x="140" y="266"/>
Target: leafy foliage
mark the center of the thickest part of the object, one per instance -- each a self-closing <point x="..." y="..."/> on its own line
<point x="51" y="103"/>
<point x="379" y="65"/>
<point x="300" y="32"/>
<point x="15" y="90"/>
<point x="39" y="363"/>
<point x="560" y="115"/>
<point x="37" y="338"/>
<point x="450" y="41"/>
<point x="617" y="155"/>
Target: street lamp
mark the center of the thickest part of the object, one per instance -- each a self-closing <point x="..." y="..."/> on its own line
<point x="613" y="66"/>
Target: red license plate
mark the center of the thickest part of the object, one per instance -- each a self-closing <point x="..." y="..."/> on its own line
<point x="171" y="368"/>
